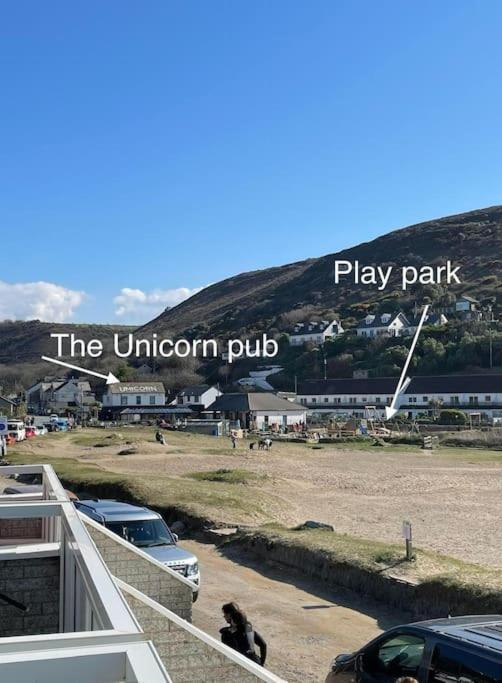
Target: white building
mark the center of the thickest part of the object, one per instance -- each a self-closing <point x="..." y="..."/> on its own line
<point x="469" y="393"/>
<point x="56" y="396"/>
<point x="432" y="319"/>
<point x="198" y="395"/>
<point x="128" y="394"/>
<point x="261" y="411"/>
<point x="81" y="604"/>
<point x="382" y="325"/>
<point x="316" y="332"/>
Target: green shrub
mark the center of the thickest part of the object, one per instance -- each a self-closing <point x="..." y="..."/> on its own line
<point x="452" y="417"/>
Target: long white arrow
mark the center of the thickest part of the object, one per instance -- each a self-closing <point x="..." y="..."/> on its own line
<point x="391" y="410"/>
<point x="110" y="377"/>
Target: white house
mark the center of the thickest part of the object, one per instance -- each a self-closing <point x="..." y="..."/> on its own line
<point x="433" y="319"/>
<point x="259" y="410"/>
<point x="198" y="395"/>
<point x="317" y="332"/>
<point x="382" y="325"/>
<point x="469" y="393"/>
<point x="40" y="393"/>
<point x="72" y="394"/>
<point x="128" y="394"/>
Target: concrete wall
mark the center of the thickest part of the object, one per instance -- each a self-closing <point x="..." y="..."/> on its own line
<point x="35" y="583"/>
<point x="191" y="656"/>
<point x="138" y="570"/>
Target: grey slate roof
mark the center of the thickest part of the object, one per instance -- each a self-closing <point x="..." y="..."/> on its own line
<point x="432" y="384"/>
<point x="377" y="321"/>
<point x="251" y="401"/>
<point x="312" y="327"/>
<point x="194" y="390"/>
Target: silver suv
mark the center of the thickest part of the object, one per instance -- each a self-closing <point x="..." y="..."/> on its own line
<point x="145" y="529"/>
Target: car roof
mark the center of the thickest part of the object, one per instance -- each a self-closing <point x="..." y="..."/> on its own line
<point x="115" y="509"/>
<point x="481" y="630"/>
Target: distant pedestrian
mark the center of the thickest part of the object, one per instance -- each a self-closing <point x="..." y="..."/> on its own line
<point x="233" y="439"/>
<point x="240" y="635"/>
<point x="159" y="437"/>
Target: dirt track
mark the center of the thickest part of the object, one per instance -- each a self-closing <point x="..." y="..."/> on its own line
<point x="304" y="627"/>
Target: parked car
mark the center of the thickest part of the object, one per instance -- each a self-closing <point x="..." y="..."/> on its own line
<point x="16" y="428"/>
<point x="458" y="650"/>
<point x="145" y="529"/>
<point x="30" y="432"/>
<point x="41" y="430"/>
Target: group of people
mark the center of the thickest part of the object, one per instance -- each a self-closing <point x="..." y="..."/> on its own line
<point x="240" y="634"/>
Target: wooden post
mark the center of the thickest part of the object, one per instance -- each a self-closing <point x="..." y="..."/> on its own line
<point x="408" y="536"/>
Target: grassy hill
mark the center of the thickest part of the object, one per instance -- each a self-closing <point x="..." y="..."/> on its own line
<point x="22" y="343"/>
<point x="273" y="298"/>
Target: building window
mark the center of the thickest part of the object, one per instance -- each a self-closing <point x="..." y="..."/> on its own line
<point x="314" y="400"/>
<point x="455" y="400"/>
<point x="473" y="400"/>
<point x="425" y="399"/>
<point x="138" y="400"/>
<point x="377" y="399"/>
<point x="488" y="399"/>
<point x="412" y="399"/>
<point x="326" y="399"/>
<point x="152" y="400"/>
<point x="123" y="400"/>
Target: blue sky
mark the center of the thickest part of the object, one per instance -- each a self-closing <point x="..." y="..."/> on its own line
<point x="149" y="147"/>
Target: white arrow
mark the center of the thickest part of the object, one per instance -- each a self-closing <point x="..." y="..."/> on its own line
<point x="391" y="410"/>
<point x="110" y="377"/>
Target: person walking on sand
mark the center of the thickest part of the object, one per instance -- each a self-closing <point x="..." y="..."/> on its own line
<point x="233" y="439"/>
<point x="240" y="635"/>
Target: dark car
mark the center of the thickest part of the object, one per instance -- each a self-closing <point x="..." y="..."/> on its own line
<point x="457" y="650"/>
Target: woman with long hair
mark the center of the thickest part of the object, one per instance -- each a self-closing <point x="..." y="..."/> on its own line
<point x="240" y="635"/>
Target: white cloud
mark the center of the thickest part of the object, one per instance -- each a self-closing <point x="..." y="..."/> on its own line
<point x="145" y="305"/>
<point x="38" y="300"/>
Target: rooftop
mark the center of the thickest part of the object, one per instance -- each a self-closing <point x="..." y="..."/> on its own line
<point x="194" y="390"/>
<point x="136" y="388"/>
<point x="380" y="319"/>
<point x="313" y="327"/>
<point x="431" y="384"/>
<point x="253" y="401"/>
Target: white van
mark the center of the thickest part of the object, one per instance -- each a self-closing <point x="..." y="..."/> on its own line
<point x="16" y="428"/>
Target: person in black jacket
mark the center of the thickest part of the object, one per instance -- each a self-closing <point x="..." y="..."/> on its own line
<point x="240" y="635"/>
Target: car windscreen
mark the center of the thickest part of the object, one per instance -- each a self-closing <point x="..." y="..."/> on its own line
<point x="144" y="533"/>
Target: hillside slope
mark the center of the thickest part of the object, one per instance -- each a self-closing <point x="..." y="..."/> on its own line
<point x="26" y="341"/>
<point x="256" y="301"/>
